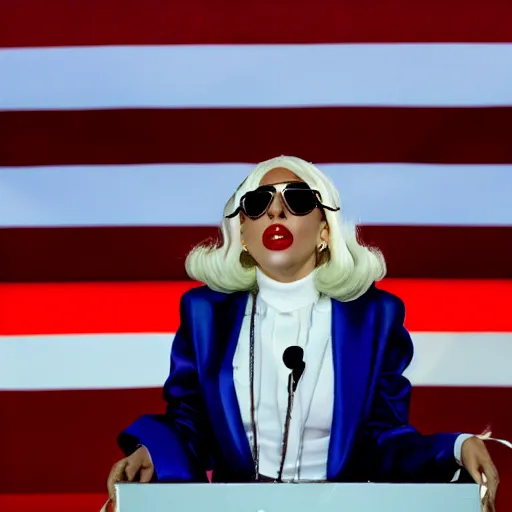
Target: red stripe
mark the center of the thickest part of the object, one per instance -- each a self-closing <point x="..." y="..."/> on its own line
<point x="72" y="433"/>
<point x="59" y="23"/>
<point x="52" y="502"/>
<point x="453" y="306"/>
<point x="361" y="134"/>
<point x="158" y="253"/>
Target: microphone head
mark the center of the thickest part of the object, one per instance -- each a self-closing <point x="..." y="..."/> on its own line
<point x="292" y="357"/>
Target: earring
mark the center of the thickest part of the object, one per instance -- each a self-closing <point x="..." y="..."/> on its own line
<point x="244" y="247"/>
<point x="322" y="247"/>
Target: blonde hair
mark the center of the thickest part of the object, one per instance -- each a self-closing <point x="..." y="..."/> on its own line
<point x="349" y="272"/>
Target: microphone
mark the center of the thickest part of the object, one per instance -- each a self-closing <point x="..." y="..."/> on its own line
<point x="293" y="358"/>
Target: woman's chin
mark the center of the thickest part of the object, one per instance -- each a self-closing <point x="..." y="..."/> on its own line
<point x="278" y="260"/>
<point x="282" y="266"/>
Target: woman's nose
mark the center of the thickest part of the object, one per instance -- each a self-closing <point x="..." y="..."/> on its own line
<point x="276" y="208"/>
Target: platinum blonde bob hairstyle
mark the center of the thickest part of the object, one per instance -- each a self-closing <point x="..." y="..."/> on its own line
<point x="349" y="272"/>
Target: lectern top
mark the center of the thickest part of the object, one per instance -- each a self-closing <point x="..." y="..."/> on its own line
<point x="318" y="497"/>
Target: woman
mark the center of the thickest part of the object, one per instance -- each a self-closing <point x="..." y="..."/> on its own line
<point x="289" y="274"/>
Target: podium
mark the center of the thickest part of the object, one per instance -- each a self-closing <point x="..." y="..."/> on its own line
<point x="300" y="497"/>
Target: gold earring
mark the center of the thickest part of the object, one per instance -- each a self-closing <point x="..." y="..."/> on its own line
<point x="244" y="247"/>
<point x="322" y="247"/>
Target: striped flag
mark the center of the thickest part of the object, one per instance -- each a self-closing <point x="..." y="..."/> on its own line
<point x="125" y="126"/>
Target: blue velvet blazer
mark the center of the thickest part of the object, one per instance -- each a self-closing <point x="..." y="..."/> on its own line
<point x="371" y="438"/>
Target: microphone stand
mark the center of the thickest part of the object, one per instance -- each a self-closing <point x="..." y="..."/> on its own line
<point x="291" y="394"/>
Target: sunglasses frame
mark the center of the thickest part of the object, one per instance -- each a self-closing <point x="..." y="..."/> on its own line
<point x="281" y="189"/>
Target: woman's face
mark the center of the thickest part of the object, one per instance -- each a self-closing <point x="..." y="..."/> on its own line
<point x="284" y="245"/>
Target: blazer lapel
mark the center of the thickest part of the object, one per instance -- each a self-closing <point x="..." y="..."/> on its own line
<point x="238" y="443"/>
<point x="352" y="340"/>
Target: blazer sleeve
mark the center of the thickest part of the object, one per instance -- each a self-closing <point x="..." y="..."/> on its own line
<point x="395" y="450"/>
<point x="178" y="440"/>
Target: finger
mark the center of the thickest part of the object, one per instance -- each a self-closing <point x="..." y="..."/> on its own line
<point x="491" y="473"/>
<point x="146" y="474"/>
<point x="486" y="507"/>
<point x="473" y="470"/>
<point x="131" y="470"/>
<point x="111" y="506"/>
<point x="116" y="475"/>
<point x="490" y="505"/>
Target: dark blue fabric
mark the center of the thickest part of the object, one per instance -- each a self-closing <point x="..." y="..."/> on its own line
<point x="371" y="438"/>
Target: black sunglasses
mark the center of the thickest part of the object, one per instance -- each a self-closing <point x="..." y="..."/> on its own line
<point x="298" y="198"/>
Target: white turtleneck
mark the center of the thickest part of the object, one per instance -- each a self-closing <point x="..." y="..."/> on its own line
<point x="290" y="314"/>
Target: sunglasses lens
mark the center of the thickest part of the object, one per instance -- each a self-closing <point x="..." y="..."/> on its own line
<point x="256" y="202"/>
<point x="300" y="201"/>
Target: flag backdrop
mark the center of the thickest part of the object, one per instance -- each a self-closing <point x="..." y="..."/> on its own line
<point x="126" y="125"/>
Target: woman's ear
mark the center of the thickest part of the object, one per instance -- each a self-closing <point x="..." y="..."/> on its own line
<point x="242" y="217"/>
<point x="324" y="232"/>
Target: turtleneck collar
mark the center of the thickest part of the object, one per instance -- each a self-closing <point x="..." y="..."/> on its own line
<point x="287" y="297"/>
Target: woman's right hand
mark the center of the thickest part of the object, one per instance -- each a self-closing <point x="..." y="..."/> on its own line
<point x="125" y="470"/>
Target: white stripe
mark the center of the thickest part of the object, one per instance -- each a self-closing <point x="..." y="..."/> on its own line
<point x="256" y="76"/>
<point x="461" y="359"/>
<point x="142" y="360"/>
<point x="84" y="361"/>
<point x="195" y="194"/>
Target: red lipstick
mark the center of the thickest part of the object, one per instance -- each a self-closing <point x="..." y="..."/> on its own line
<point x="277" y="238"/>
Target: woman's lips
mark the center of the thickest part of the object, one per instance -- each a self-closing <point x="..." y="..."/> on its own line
<point x="277" y="238"/>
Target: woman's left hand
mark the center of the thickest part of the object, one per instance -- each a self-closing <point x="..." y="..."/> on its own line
<point x="477" y="461"/>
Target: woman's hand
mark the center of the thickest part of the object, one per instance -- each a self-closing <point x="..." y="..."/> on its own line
<point x="127" y="469"/>
<point x="476" y="459"/>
